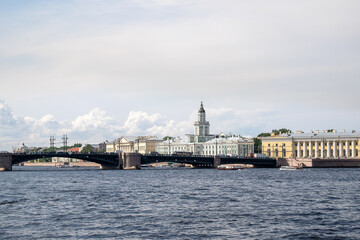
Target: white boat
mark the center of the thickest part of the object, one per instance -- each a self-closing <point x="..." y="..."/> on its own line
<point x="290" y="168"/>
<point x="66" y="165"/>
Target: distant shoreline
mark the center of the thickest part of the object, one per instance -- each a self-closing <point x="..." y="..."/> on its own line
<point x="52" y="164"/>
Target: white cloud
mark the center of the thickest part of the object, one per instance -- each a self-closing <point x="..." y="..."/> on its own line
<point x="300" y="58"/>
<point x="95" y="119"/>
<point x="97" y="126"/>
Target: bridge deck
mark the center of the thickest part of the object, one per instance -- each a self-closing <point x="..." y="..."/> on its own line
<point x="112" y="159"/>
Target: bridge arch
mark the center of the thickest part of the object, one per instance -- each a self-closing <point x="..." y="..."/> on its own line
<point x="103" y="159"/>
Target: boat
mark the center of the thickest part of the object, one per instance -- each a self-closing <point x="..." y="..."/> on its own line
<point x="229" y="168"/>
<point x="291" y="168"/>
<point x="66" y="165"/>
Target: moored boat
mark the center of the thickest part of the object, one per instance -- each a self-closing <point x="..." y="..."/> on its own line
<point x="290" y="168"/>
<point x="222" y="167"/>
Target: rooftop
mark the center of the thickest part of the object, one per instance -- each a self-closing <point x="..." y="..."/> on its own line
<point x="319" y="134"/>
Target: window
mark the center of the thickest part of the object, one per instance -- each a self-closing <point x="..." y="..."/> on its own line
<point x="284" y="152"/>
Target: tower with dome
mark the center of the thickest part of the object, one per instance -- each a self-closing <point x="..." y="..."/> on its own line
<point x="201" y="128"/>
<point x="204" y="143"/>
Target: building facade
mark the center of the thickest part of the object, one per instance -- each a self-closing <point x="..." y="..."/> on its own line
<point x="325" y="144"/>
<point x="204" y="143"/>
<point x="140" y="144"/>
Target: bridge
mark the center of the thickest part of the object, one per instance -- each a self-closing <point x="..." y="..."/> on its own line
<point x="133" y="160"/>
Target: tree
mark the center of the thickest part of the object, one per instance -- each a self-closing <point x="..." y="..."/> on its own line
<point x="167" y="138"/>
<point x="257" y="145"/>
<point x="264" y="135"/>
<point x="258" y="142"/>
<point x="50" y="149"/>
<point x="87" y="148"/>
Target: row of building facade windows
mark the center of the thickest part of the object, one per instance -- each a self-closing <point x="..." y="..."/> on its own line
<point x="277" y="152"/>
<point x="307" y="144"/>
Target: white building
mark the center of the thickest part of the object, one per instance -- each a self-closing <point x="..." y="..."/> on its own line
<point x="140" y="144"/>
<point x="203" y="143"/>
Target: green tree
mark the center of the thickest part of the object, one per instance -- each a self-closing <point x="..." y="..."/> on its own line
<point x="264" y="135"/>
<point x="257" y="145"/>
<point x="87" y="148"/>
<point x="50" y="149"/>
<point x="258" y="142"/>
<point x="167" y="138"/>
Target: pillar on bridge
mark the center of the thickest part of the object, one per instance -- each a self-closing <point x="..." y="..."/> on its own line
<point x="121" y="161"/>
<point x="131" y="161"/>
<point x="5" y="161"/>
<point x="217" y="161"/>
<point x="119" y="166"/>
<point x="108" y="167"/>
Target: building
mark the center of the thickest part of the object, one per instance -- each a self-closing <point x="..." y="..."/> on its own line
<point x="204" y="143"/>
<point x="324" y="144"/>
<point x="201" y="128"/>
<point x="140" y="144"/>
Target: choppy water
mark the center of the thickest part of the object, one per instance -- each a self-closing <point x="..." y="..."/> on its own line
<point x="179" y="204"/>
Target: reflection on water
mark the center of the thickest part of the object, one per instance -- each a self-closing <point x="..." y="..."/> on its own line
<point x="86" y="203"/>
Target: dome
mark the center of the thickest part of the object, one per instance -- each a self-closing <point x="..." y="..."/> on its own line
<point x="201" y="110"/>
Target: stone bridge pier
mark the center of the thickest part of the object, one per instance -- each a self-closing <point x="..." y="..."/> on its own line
<point x="5" y="161"/>
<point x="217" y="161"/>
<point x="131" y="161"/>
<point x="127" y="161"/>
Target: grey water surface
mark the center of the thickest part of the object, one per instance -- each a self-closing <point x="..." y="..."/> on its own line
<point x="85" y="203"/>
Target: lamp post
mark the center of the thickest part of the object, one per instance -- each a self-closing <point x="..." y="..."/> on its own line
<point x="169" y="146"/>
<point x="216" y="147"/>
<point x="138" y="142"/>
<point x="119" y="144"/>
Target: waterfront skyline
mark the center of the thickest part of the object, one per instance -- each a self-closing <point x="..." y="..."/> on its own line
<point x="96" y="70"/>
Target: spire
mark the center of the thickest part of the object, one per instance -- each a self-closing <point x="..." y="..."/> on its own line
<point x="201" y="110"/>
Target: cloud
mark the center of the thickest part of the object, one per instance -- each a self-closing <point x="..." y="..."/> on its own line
<point x="142" y="123"/>
<point x="7" y="118"/>
<point x="97" y="126"/>
<point x="277" y="61"/>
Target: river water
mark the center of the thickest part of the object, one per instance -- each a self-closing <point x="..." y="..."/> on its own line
<point x="86" y="203"/>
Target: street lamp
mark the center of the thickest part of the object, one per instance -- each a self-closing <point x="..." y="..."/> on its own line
<point x="216" y="147"/>
<point x="169" y="146"/>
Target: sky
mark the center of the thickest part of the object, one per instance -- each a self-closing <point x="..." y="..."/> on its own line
<point x="97" y="70"/>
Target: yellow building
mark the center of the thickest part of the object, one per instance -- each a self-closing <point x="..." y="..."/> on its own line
<point x="324" y="144"/>
<point x="141" y="144"/>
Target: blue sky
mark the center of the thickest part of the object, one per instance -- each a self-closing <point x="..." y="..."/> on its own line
<point x="96" y="70"/>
